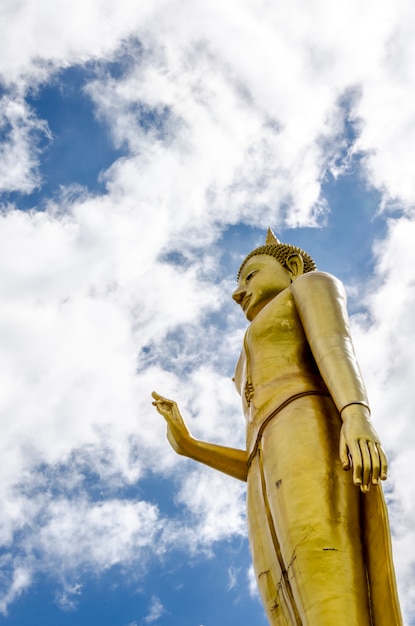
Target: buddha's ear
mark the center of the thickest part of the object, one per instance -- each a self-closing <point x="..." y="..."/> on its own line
<point x="295" y="265"/>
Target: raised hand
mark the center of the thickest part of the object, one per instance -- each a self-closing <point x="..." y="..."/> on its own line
<point x="361" y="449"/>
<point x="177" y="432"/>
<point x="228" y="460"/>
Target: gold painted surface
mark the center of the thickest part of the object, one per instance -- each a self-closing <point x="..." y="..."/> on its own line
<point x="319" y="536"/>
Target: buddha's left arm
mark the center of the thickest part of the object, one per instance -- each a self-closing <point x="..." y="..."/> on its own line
<point x="320" y="300"/>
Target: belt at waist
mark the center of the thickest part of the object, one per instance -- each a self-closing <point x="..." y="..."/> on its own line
<point x="275" y="412"/>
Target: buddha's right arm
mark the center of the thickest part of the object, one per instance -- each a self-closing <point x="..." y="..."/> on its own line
<point x="230" y="461"/>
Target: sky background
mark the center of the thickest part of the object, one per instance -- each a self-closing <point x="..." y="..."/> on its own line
<point x="145" y="148"/>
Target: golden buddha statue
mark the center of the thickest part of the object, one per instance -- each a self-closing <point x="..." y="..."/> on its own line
<point x="319" y="535"/>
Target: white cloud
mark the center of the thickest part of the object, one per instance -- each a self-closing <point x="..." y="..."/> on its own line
<point x="232" y="578"/>
<point x="20" y="581"/>
<point x="252" y="584"/>
<point x="64" y="33"/>
<point x="155" y="612"/>
<point x="216" y="505"/>
<point x="212" y="70"/>
<point x="68" y="595"/>
<point x="78" y="306"/>
<point x="21" y="130"/>
<point x="86" y="535"/>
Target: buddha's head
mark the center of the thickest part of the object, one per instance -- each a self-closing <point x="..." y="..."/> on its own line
<point x="267" y="271"/>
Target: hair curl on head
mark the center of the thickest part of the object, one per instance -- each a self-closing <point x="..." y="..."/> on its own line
<point x="281" y="252"/>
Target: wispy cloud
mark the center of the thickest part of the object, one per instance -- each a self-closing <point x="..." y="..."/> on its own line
<point x="155" y="612"/>
<point x="21" y="131"/>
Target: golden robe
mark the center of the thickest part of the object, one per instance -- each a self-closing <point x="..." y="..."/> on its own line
<point x="321" y="549"/>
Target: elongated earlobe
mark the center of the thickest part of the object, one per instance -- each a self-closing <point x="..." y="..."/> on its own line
<point x="295" y="265"/>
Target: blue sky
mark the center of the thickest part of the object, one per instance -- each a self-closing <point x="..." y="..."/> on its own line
<point x="144" y="152"/>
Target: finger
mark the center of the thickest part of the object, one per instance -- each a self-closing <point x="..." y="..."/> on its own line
<point x="383" y="462"/>
<point x="344" y="452"/>
<point x="157" y="396"/>
<point x="374" y="454"/>
<point x="366" y="465"/>
<point x="356" y="462"/>
<point x="159" y="408"/>
<point x="159" y="405"/>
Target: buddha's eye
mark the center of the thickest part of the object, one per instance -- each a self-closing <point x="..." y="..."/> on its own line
<point x="248" y="278"/>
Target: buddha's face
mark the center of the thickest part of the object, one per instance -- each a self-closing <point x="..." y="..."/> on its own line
<point x="262" y="278"/>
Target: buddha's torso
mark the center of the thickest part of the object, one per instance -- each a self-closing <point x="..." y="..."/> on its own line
<point x="275" y="364"/>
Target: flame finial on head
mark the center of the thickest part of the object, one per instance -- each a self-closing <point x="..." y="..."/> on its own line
<point x="271" y="238"/>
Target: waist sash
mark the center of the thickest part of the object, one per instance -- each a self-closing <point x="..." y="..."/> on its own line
<point x="275" y="412"/>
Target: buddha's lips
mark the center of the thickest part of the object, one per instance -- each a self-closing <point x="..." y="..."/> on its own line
<point x="246" y="301"/>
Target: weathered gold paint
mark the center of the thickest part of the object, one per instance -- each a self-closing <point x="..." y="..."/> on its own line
<point x="319" y="536"/>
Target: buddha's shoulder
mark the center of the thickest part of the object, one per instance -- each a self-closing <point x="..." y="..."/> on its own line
<point x="316" y="281"/>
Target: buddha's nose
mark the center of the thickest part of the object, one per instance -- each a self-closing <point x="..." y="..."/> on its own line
<point x="238" y="295"/>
